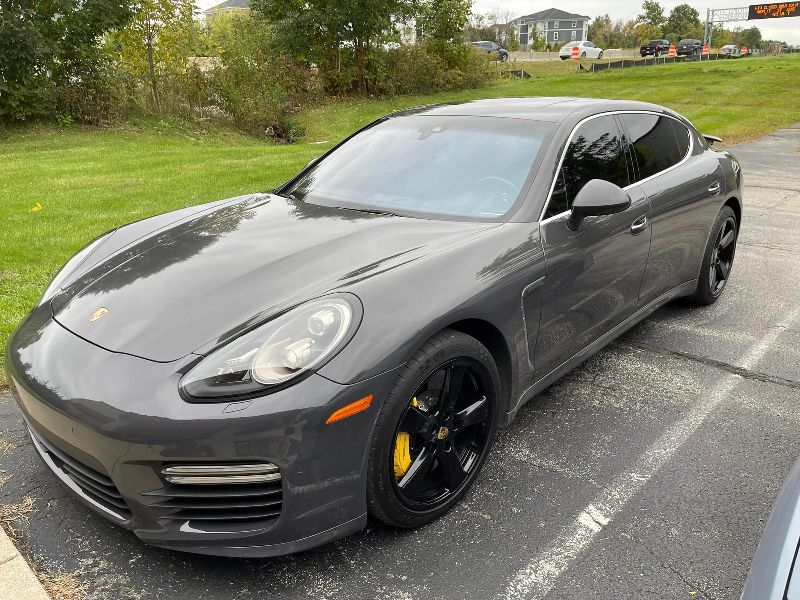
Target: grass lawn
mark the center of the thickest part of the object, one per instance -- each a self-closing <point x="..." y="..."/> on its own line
<point x="88" y="181"/>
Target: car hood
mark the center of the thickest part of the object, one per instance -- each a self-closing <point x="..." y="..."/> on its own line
<point x="200" y="280"/>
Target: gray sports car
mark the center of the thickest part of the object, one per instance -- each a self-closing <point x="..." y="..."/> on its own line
<point x="255" y="376"/>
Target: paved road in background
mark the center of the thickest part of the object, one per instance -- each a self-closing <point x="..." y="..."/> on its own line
<point x="647" y="473"/>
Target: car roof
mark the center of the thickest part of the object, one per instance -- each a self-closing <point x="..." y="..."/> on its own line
<point x="532" y="108"/>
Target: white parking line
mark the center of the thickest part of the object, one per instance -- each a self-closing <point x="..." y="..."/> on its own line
<point x="539" y="576"/>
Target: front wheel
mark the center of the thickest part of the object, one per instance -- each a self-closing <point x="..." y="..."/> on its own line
<point x="434" y="431"/>
<point x="718" y="258"/>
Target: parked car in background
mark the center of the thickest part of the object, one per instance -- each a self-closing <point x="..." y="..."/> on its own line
<point x="493" y="48"/>
<point x="585" y="50"/>
<point x="690" y="47"/>
<point x="731" y="51"/>
<point x="774" y="574"/>
<point x="654" y="48"/>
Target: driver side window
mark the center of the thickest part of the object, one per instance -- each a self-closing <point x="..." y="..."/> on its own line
<point x="595" y="152"/>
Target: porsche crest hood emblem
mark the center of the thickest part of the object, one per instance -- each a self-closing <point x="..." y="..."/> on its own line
<point x="98" y="314"/>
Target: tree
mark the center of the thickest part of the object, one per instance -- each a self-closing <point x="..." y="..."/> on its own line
<point x="600" y="31"/>
<point x="750" y="37"/>
<point x="652" y="14"/>
<point x="339" y="36"/>
<point x="443" y="21"/>
<point x="46" y="46"/>
<point x="153" y="39"/>
<point x="683" y="22"/>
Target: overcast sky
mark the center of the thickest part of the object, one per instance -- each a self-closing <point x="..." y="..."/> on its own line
<point x="787" y="30"/>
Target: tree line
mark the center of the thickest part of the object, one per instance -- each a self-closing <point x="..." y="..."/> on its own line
<point x="683" y="22"/>
<point x="97" y="60"/>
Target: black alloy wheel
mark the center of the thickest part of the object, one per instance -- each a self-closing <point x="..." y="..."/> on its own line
<point x="448" y="423"/>
<point x="718" y="258"/>
<point x="722" y="259"/>
<point x="434" y="431"/>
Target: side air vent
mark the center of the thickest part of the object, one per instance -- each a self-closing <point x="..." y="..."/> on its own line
<point x="218" y="494"/>
<point x="94" y="485"/>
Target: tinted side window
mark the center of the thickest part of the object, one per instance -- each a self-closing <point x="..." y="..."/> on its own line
<point x="655" y="144"/>
<point x="682" y="135"/>
<point x="595" y="152"/>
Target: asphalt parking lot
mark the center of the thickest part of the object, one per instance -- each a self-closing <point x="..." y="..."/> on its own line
<point x="647" y="473"/>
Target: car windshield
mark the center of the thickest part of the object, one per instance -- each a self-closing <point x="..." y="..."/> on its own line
<point x="458" y="166"/>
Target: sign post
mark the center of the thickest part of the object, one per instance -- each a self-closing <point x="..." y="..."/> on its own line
<point x="775" y="10"/>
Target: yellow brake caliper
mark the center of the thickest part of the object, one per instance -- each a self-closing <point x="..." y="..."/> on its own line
<point x="402" y="451"/>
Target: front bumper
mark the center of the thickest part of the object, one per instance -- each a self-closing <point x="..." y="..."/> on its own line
<point x="106" y="424"/>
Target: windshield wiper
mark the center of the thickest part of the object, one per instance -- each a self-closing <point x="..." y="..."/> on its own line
<point x="371" y="211"/>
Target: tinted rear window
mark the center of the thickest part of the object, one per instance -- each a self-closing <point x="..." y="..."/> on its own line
<point x="474" y="167"/>
<point x="655" y="143"/>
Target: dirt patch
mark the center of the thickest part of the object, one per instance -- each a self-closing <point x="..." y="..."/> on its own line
<point x="62" y="586"/>
<point x="10" y="514"/>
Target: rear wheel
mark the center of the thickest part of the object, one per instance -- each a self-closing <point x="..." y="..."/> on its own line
<point x="718" y="258"/>
<point x="600" y="55"/>
<point x="434" y="431"/>
<point x="583" y="54"/>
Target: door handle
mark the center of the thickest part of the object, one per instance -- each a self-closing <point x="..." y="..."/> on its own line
<point x="715" y="189"/>
<point x="639" y="225"/>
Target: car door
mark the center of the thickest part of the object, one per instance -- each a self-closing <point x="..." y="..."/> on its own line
<point x="684" y="186"/>
<point x="592" y="275"/>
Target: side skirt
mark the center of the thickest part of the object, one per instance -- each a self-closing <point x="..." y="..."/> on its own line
<point x="685" y="289"/>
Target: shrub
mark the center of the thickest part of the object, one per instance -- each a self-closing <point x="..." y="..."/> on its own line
<point x="258" y="87"/>
<point x="426" y="67"/>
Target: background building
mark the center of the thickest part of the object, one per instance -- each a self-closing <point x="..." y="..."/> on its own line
<point x="555" y="26"/>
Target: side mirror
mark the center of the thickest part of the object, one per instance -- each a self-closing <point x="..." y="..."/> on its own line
<point x="597" y="197"/>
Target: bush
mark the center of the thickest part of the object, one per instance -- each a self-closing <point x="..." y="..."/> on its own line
<point x="259" y="88"/>
<point x="426" y="68"/>
<point x="94" y="92"/>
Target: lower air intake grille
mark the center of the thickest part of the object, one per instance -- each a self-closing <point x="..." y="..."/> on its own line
<point x="96" y="486"/>
<point x="217" y="494"/>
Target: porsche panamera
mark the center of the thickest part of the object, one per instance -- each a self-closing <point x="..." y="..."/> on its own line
<point x="257" y="376"/>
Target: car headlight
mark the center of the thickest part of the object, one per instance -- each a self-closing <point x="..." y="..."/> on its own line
<point x="72" y="264"/>
<point x="278" y="352"/>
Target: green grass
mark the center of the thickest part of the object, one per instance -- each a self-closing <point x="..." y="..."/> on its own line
<point x="91" y="180"/>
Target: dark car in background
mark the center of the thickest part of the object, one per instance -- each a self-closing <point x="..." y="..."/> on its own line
<point x="654" y="48"/>
<point x="255" y="376"/>
<point x="689" y="47"/>
<point x="493" y="48"/>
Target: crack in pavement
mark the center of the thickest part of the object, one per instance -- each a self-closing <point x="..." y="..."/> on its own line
<point x="710" y="362"/>
<point x="664" y="565"/>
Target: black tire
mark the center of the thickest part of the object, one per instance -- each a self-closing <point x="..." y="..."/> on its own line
<point x="718" y="255"/>
<point x="600" y="55"/>
<point x="564" y="57"/>
<point x="583" y="55"/>
<point x="385" y="500"/>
